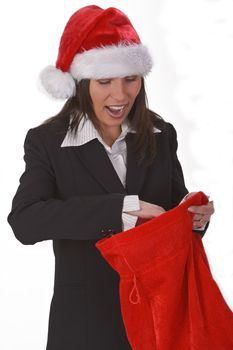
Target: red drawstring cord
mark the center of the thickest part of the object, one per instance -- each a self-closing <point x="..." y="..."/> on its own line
<point x="138" y="299"/>
<point x="135" y="287"/>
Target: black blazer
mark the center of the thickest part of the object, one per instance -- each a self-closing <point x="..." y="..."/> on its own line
<point x="73" y="196"/>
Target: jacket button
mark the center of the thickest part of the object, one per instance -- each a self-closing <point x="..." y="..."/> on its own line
<point x="107" y="232"/>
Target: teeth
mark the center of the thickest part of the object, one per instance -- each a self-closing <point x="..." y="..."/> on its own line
<point x="116" y="108"/>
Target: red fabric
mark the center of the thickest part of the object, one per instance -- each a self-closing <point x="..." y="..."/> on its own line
<point x="169" y="299"/>
<point x="92" y="27"/>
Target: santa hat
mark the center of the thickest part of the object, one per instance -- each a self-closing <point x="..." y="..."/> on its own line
<point x="95" y="44"/>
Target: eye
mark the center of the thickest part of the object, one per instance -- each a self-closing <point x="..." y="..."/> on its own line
<point x="104" y="81"/>
<point x="131" y="78"/>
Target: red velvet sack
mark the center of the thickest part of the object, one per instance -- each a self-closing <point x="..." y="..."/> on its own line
<point x="169" y="299"/>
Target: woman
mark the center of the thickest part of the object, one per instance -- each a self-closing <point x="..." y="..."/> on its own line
<point x="104" y="162"/>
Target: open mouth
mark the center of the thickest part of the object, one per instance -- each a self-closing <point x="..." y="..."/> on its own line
<point x="116" y="111"/>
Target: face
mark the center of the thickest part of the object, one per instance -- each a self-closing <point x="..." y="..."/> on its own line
<point x="113" y="99"/>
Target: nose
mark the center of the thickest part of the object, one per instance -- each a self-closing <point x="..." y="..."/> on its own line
<point x="118" y="90"/>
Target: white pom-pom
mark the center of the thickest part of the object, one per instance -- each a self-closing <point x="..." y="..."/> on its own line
<point x="57" y="83"/>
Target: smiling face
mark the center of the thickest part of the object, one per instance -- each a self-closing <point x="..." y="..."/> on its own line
<point x="112" y="101"/>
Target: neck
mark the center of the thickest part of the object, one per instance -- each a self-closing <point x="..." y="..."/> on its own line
<point x="110" y="135"/>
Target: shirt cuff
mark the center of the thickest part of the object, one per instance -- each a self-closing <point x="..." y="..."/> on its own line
<point x="184" y="199"/>
<point x="131" y="203"/>
<point x="129" y="221"/>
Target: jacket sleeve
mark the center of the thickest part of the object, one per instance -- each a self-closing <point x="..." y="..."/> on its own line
<point x="179" y="189"/>
<point x="38" y="215"/>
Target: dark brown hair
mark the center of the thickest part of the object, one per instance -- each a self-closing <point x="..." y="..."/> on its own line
<point x="141" y="118"/>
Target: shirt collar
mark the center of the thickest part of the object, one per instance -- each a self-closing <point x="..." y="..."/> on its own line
<point x="87" y="132"/>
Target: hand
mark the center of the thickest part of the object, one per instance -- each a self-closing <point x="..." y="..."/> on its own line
<point x="202" y="213"/>
<point x="147" y="210"/>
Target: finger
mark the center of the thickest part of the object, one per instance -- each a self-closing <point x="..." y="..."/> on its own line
<point x="198" y="217"/>
<point x="202" y="209"/>
<point x="200" y="223"/>
<point x="199" y="226"/>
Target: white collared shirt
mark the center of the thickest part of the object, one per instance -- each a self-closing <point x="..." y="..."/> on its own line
<point x="117" y="154"/>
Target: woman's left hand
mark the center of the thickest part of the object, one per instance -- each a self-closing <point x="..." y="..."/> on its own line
<point x="202" y="213"/>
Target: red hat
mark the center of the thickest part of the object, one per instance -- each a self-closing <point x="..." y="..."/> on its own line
<point x="95" y="44"/>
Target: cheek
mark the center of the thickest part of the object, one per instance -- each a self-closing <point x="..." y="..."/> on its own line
<point x="98" y="102"/>
<point x="136" y="89"/>
<point x="94" y="98"/>
<point x="98" y="96"/>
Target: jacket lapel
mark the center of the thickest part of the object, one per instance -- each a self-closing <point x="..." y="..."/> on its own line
<point x="135" y="174"/>
<point x="94" y="157"/>
<point x="97" y="162"/>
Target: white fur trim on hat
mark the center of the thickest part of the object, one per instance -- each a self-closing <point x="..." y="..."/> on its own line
<point x="58" y="84"/>
<point x="112" y="61"/>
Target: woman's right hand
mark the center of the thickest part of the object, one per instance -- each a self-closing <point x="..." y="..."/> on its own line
<point x="147" y="210"/>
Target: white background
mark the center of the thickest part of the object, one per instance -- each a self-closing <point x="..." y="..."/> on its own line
<point x="191" y="86"/>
